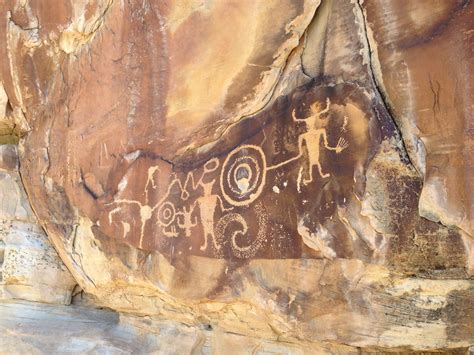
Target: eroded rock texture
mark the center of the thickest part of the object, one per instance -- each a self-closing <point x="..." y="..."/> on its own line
<point x="30" y="268"/>
<point x="293" y="169"/>
<point x="424" y="68"/>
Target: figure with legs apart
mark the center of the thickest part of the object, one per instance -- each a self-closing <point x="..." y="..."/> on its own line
<point x="316" y="128"/>
<point x="207" y="207"/>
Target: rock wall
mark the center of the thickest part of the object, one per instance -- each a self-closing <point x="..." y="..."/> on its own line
<point x="30" y="268"/>
<point x="424" y="74"/>
<point x="297" y="170"/>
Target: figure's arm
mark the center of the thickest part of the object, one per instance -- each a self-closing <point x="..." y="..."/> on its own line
<point x="293" y="115"/>
<point x="222" y="205"/>
<point x="325" y="140"/>
<point x="300" y="153"/>
<point x="341" y="143"/>
<point x="191" y="212"/>
<point x="180" y="224"/>
<point x="300" y="145"/>
<point x="328" y="103"/>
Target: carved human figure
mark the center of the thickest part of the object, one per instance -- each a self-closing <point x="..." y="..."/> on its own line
<point x="315" y="130"/>
<point x="207" y="203"/>
<point x="188" y="222"/>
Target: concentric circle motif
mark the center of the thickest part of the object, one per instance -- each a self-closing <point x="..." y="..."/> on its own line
<point x="166" y="214"/>
<point x="243" y="175"/>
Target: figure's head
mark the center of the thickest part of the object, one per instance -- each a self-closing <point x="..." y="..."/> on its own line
<point x="319" y="115"/>
<point x="211" y="165"/>
<point x="316" y="107"/>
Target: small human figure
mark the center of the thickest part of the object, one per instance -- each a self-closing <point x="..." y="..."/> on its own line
<point x="315" y="130"/>
<point x="188" y="223"/>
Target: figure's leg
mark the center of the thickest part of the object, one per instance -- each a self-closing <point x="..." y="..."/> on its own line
<point x="208" y="226"/>
<point x="217" y="246"/>
<point x="310" y="173"/>
<point x="204" y="246"/>
<point x="309" y="166"/>
<point x="298" y="181"/>
<point x="321" y="171"/>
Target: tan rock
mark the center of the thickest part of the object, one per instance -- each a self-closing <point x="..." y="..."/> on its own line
<point x="30" y="268"/>
<point x="6" y="125"/>
<point x="85" y="330"/>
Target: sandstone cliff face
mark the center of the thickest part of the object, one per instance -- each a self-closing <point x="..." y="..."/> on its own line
<point x="286" y="171"/>
<point x="424" y="69"/>
<point x="30" y="268"/>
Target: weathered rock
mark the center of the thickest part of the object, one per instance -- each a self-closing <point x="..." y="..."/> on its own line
<point x="12" y="122"/>
<point x="104" y="331"/>
<point x="30" y="268"/>
<point x="424" y="66"/>
<point x="254" y="182"/>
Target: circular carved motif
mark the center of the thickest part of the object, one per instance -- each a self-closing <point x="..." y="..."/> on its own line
<point x="166" y="214"/>
<point x="243" y="175"/>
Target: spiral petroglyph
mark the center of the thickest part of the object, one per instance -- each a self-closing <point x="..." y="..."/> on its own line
<point x="232" y="229"/>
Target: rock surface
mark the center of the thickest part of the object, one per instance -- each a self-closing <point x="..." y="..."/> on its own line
<point x="104" y="331"/>
<point x="424" y="69"/>
<point x="30" y="268"/>
<point x="307" y="180"/>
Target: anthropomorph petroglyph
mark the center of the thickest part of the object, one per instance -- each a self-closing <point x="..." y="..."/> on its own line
<point x="196" y="205"/>
<point x="187" y="223"/>
<point x="207" y="207"/>
<point x="315" y="130"/>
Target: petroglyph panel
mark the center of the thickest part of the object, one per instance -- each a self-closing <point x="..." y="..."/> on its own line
<point x="253" y="183"/>
<point x="297" y="164"/>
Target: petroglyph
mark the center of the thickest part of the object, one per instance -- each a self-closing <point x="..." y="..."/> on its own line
<point x="218" y="210"/>
<point x="126" y="229"/>
<point x="234" y="236"/>
<point x="315" y="126"/>
<point x="315" y="130"/>
<point x="207" y="208"/>
<point x="166" y="209"/>
<point x="243" y="175"/>
<point x="166" y="214"/>
<point x="187" y="222"/>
